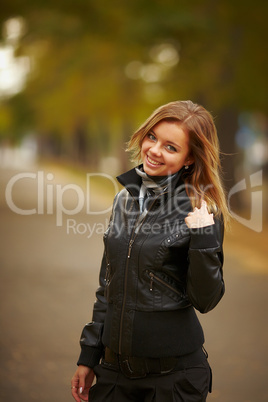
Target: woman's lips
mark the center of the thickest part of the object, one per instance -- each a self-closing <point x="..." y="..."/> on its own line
<point x="153" y="162"/>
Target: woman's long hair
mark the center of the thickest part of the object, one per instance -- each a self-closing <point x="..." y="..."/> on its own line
<point x="203" y="178"/>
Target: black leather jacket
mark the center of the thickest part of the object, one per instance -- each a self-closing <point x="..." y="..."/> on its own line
<point x="154" y="270"/>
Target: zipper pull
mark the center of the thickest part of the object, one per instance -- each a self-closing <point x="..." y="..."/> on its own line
<point x="107" y="274"/>
<point x="129" y="248"/>
<point x="151" y="281"/>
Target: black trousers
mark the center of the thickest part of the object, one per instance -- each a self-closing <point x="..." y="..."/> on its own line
<point x="188" y="385"/>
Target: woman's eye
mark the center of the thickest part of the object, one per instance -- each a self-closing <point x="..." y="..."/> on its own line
<point x="171" y="148"/>
<point x="151" y="136"/>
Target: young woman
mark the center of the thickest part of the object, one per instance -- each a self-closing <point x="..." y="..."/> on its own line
<point x="163" y="259"/>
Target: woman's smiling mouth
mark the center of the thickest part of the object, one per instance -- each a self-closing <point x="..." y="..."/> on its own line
<point x="152" y="162"/>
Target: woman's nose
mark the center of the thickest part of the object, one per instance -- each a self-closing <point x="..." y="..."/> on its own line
<point x="156" y="149"/>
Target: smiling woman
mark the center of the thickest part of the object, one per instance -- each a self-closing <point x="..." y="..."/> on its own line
<point x="162" y="259"/>
<point x="192" y="127"/>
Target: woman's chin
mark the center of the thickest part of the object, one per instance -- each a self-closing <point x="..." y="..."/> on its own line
<point x="152" y="171"/>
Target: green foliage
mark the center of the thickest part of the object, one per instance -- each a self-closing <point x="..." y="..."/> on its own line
<point x="80" y="50"/>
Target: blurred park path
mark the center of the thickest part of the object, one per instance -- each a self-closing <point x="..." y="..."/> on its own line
<point x="49" y="275"/>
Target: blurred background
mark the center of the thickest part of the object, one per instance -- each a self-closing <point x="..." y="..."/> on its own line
<point x="76" y="79"/>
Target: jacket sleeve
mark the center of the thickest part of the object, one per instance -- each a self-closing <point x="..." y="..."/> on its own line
<point x="90" y="341"/>
<point x="205" y="284"/>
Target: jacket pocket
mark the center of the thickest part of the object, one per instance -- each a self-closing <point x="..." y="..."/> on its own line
<point x="168" y="289"/>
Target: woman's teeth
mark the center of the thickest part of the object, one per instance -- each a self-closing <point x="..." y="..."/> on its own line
<point x="153" y="162"/>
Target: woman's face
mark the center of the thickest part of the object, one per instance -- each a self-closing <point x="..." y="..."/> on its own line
<point x="165" y="149"/>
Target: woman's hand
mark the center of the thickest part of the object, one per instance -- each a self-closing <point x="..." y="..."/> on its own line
<point x="81" y="383"/>
<point x="200" y="217"/>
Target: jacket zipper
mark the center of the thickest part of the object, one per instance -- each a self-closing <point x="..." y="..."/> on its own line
<point x="130" y="244"/>
<point x="125" y="285"/>
<point x="107" y="274"/>
<point x="130" y="247"/>
<point x="153" y="278"/>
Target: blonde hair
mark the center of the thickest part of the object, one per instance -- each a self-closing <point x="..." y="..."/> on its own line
<point x="203" y="178"/>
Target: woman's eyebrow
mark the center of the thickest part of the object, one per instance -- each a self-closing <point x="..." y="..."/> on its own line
<point x="174" y="143"/>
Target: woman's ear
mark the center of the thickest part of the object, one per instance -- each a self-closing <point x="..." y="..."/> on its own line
<point x="189" y="161"/>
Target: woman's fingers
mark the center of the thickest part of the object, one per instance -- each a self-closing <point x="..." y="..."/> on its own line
<point x="81" y="382"/>
<point x="199" y="217"/>
<point x="75" y="393"/>
<point x="203" y="205"/>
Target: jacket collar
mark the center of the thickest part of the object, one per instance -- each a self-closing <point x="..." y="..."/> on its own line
<point x="132" y="181"/>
